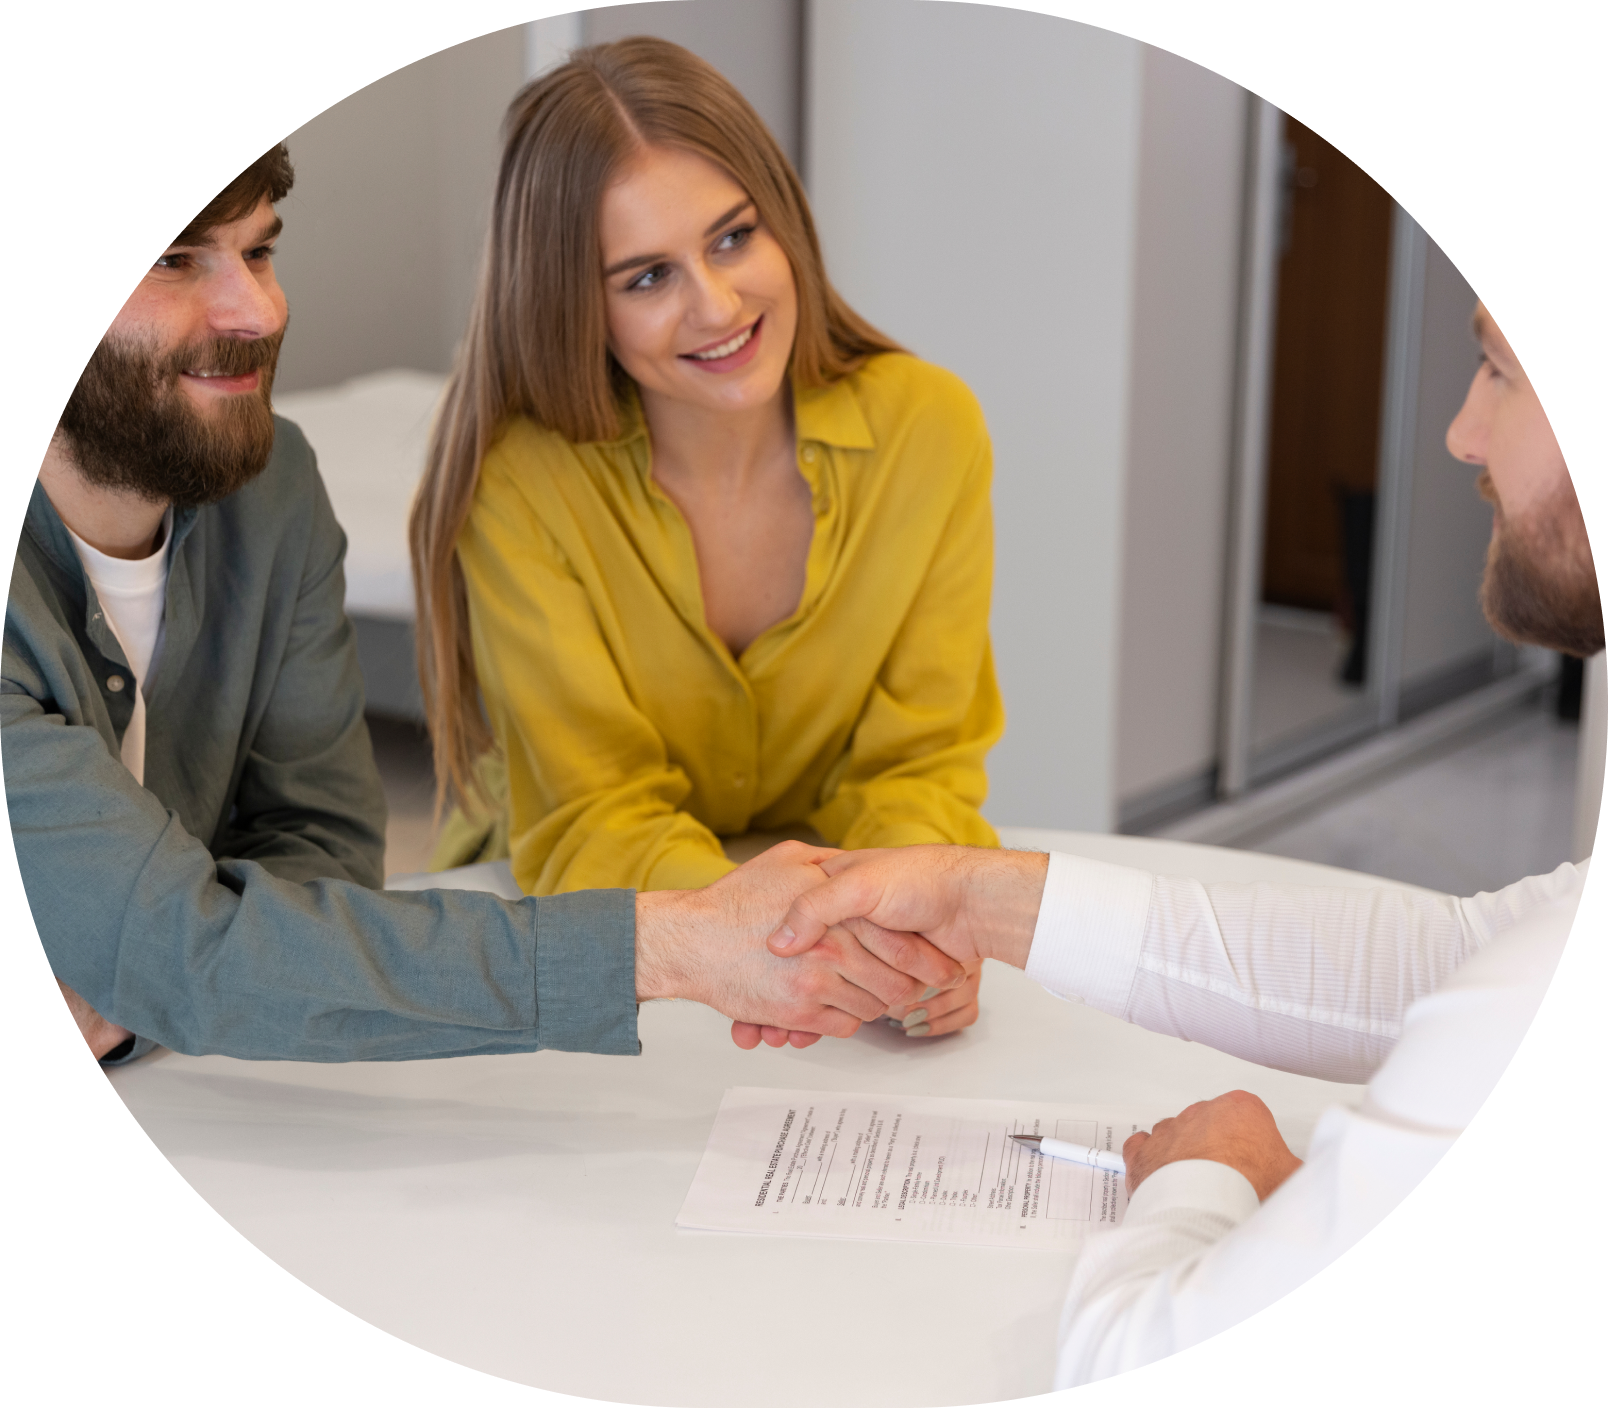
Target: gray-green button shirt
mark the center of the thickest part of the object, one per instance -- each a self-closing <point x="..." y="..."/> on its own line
<point x="228" y="905"/>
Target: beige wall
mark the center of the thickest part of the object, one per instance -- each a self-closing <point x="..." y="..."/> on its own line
<point x="384" y="226"/>
<point x="1175" y="528"/>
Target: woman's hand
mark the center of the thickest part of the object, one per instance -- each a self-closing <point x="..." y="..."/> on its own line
<point x="941" y="1012"/>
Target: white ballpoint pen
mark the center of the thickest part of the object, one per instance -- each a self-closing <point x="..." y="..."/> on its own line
<point x="1073" y="1153"/>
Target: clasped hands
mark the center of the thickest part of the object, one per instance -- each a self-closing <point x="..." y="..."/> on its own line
<point x="710" y="945"/>
<point x="804" y="941"/>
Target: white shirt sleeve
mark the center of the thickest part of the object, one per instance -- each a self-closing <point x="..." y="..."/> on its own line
<point x="1315" y="980"/>
<point x="1309" y="980"/>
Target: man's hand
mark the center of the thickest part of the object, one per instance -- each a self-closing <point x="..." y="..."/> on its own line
<point x="971" y="903"/>
<point x="1235" y="1129"/>
<point x="939" y="1013"/>
<point x="709" y="945"/>
<point x="100" y="1035"/>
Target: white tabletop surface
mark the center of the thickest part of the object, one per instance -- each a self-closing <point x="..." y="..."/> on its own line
<point x="516" y="1213"/>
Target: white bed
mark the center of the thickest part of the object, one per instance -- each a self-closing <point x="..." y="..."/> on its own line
<point x="369" y="434"/>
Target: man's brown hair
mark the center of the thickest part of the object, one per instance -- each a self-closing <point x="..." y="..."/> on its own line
<point x="269" y="175"/>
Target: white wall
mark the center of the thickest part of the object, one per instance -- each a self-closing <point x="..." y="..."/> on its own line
<point x="384" y="226"/>
<point x="755" y="43"/>
<point x="1175" y="530"/>
<point x="973" y="172"/>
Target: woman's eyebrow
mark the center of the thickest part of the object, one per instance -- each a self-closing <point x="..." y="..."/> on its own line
<point x="729" y="216"/>
<point x="637" y="259"/>
<point x="631" y="263"/>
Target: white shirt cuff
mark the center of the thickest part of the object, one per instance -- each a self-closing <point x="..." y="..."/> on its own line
<point x="1198" y="1186"/>
<point x="1091" y="923"/>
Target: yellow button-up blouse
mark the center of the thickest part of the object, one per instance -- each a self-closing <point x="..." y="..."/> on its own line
<point x="632" y="738"/>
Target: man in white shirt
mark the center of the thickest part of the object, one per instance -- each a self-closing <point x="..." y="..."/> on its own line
<point x="1424" y="997"/>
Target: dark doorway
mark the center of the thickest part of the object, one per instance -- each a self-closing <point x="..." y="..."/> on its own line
<point x="1323" y="452"/>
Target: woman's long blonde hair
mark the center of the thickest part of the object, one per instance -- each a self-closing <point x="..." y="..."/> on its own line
<point x="536" y="344"/>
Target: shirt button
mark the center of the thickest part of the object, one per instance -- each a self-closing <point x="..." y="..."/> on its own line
<point x="115" y="683"/>
<point x="739" y="781"/>
<point x="809" y="454"/>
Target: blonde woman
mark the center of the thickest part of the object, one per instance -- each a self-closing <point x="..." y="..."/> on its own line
<point x="698" y="551"/>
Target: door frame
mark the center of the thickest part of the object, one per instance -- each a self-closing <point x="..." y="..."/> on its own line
<point x="1240" y="766"/>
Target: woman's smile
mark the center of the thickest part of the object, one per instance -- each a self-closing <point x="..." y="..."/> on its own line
<point x="726" y="356"/>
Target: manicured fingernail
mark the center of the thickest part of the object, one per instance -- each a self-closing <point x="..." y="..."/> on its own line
<point x="928" y="995"/>
<point x="922" y="1030"/>
<point x="911" y="1018"/>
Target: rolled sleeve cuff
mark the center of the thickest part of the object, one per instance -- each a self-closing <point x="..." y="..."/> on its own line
<point x="142" y="1046"/>
<point x="1091" y="923"/>
<point x="1193" y="1190"/>
<point x="586" y="972"/>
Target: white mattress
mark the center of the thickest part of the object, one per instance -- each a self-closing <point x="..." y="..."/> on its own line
<point x="369" y="434"/>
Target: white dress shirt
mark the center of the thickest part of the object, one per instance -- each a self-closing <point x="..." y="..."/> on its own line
<point x="1423" y="996"/>
<point x="133" y="594"/>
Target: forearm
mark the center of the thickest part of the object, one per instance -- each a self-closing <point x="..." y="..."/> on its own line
<point x="204" y="956"/>
<point x="1314" y="981"/>
<point x="628" y="838"/>
<point x="1131" y="1300"/>
<point x="901" y="809"/>
<point x="329" y="971"/>
<point x="102" y="1037"/>
<point x="1196" y="1253"/>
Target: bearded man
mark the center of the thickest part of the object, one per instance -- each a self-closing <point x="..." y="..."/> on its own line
<point x="196" y="810"/>
<point x="1422" y="996"/>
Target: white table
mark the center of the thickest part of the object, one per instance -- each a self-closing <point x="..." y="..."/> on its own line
<point x="516" y="1213"/>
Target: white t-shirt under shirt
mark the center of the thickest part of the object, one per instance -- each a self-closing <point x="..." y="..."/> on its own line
<point x="132" y="594"/>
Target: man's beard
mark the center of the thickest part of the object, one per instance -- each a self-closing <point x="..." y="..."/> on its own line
<point x="130" y="426"/>
<point x="1540" y="586"/>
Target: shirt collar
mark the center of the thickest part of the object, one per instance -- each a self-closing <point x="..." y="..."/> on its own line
<point x="827" y="415"/>
<point x="45" y="526"/>
<point x="831" y="415"/>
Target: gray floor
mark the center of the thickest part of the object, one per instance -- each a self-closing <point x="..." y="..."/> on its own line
<point x="402" y="751"/>
<point x="1479" y="816"/>
<point x="1297" y="686"/>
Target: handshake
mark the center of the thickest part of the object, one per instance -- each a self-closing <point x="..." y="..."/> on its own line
<point x="804" y="942"/>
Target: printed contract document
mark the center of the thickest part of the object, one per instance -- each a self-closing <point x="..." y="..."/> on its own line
<point x="814" y="1163"/>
